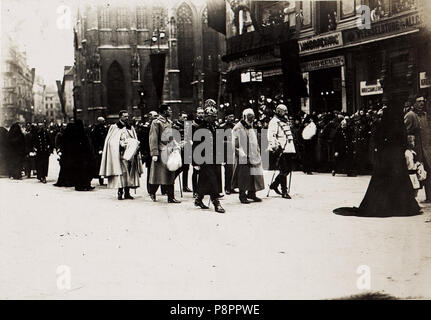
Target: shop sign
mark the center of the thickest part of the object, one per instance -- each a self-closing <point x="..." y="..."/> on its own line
<point x="251" y="60"/>
<point x="323" y="64"/>
<point x="251" y="76"/>
<point x="272" y="72"/>
<point x="384" y="28"/>
<point x="424" y="80"/>
<point x="371" y="88"/>
<point x="314" y="44"/>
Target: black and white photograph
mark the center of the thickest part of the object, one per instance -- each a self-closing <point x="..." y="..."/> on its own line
<point x="215" y="150"/>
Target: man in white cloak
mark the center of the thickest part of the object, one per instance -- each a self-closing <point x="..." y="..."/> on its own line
<point x="121" y="162"/>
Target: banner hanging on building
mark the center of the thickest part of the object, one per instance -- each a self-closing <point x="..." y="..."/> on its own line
<point x="157" y="61"/>
<point x="217" y="15"/>
<point x="371" y="88"/>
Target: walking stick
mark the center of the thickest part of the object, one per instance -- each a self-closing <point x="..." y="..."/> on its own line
<point x="290" y="180"/>
<point x="179" y="182"/>
<point x="272" y="180"/>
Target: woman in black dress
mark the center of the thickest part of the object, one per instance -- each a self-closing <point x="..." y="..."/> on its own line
<point x="390" y="192"/>
<point x="16" y="151"/>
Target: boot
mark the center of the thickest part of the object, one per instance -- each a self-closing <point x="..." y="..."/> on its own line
<point x="283" y="182"/>
<point x="173" y="200"/>
<point x="120" y="194"/>
<point x="243" y="197"/>
<point x="153" y="196"/>
<point x="199" y="203"/>
<point x="127" y="194"/>
<point x="217" y="206"/>
<point x="101" y="181"/>
<point x="274" y="185"/>
<point x="252" y="196"/>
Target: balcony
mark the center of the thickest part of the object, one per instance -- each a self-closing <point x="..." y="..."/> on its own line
<point x="258" y="41"/>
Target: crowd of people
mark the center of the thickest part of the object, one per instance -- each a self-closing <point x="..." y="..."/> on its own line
<point x="328" y="142"/>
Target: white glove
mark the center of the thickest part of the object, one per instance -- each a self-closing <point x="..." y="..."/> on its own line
<point x="197" y="167"/>
<point x="100" y="152"/>
<point x="155" y="158"/>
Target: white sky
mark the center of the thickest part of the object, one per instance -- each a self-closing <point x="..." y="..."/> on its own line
<point x="33" y="25"/>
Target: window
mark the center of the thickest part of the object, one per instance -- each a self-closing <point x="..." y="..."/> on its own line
<point x="347" y="8"/>
<point x="122" y="18"/>
<point x="399" y="6"/>
<point x="185" y="49"/>
<point x="141" y="18"/>
<point x="306" y="13"/>
<point x="104" y="17"/>
<point x="327" y="16"/>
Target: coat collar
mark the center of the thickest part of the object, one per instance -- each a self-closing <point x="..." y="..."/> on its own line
<point x="121" y="125"/>
<point x="245" y="124"/>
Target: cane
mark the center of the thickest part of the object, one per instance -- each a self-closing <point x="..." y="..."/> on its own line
<point x="290" y="180"/>
<point x="272" y="180"/>
<point x="181" y="189"/>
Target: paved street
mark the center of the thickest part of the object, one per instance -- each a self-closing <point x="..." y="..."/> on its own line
<point x="137" y="249"/>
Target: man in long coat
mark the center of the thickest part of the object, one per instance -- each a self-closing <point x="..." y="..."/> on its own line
<point x="98" y="135"/>
<point x="121" y="173"/>
<point x="161" y="144"/>
<point x="209" y="170"/>
<point x="247" y="168"/>
<point x="43" y="147"/>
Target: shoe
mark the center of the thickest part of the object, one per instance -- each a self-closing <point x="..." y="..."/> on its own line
<point x="90" y="188"/>
<point x="173" y="200"/>
<point x="275" y="188"/>
<point x="285" y="195"/>
<point x="227" y="192"/>
<point x="333" y="173"/>
<point x="185" y="189"/>
<point x="254" y="198"/>
<point x="153" y="197"/>
<point x="43" y="180"/>
<point x="200" y="204"/>
<point x="218" y="208"/>
<point x="120" y="196"/>
<point x="195" y="195"/>
<point x="220" y="196"/>
<point x="233" y="191"/>
<point x="244" y="201"/>
<point x="128" y="196"/>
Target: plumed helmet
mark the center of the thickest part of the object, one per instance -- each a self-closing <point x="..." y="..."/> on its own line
<point x="210" y="111"/>
<point x="281" y="107"/>
<point x="210" y="103"/>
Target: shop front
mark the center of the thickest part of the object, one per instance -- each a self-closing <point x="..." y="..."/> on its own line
<point x="324" y="84"/>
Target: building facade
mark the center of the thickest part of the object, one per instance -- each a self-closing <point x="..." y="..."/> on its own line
<point x="65" y="92"/>
<point x="117" y="48"/>
<point x="17" y="96"/>
<point x="39" y="100"/>
<point x="347" y="50"/>
<point x="52" y="106"/>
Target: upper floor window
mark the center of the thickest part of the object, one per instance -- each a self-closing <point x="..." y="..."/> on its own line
<point x="348" y="8"/>
<point x="386" y="8"/>
<point x="327" y="16"/>
<point x="104" y="17"/>
<point x="122" y="18"/>
<point x="305" y="13"/>
<point x="142" y="17"/>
